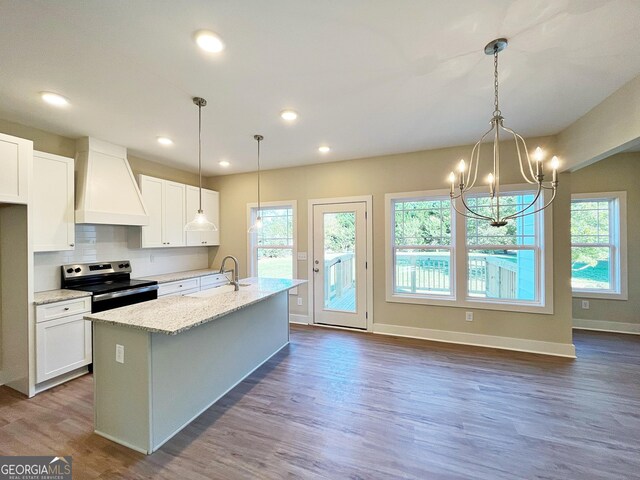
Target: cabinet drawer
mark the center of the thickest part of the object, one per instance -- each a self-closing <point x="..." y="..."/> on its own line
<point x="62" y="345"/>
<point x="211" y="281"/>
<point x="178" y="287"/>
<point x="62" y="309"/>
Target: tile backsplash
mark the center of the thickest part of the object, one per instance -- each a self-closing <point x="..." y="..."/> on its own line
<point x="97" y="243"/>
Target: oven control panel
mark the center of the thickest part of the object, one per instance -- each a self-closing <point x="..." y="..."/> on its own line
<point x="99" y="268"/>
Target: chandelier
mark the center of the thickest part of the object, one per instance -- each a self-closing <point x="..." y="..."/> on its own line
<point x="531" y="171"/>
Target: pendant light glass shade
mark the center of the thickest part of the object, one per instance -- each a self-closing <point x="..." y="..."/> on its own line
<point x="200" y="223"/>
<point x="257" y="225"/>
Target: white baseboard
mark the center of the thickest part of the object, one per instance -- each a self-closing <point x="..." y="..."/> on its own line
<point x="478" y="340"/>
<point x="301" y="319"/>
<point x="606" y="326"/>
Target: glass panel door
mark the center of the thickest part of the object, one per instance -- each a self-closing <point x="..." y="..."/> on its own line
<point x="340" y="264"/>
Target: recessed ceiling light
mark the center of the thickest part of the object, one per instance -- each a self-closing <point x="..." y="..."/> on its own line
<point x="209" y="41"/>
<point x="54" y="99"/>
<point x="224" y="163"/>
<point x="324" y="149"/>
<point x="289" y="115"/>
<point x="165" y="141"/>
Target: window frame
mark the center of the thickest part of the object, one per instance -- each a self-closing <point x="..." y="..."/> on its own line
<point x="460" y="258"/>
<point x="617" y="241"/>
<point x="252" y="245"/>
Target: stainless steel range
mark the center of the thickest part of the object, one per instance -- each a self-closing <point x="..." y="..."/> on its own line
<point x="110" y="284"/>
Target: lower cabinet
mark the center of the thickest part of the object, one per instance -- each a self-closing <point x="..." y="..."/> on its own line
<point x="192" y="285"/>
<point x="63" y="342"/>
<point x="182" y="287"/>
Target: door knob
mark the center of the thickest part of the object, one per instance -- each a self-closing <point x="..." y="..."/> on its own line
<point x="316" y="270"/>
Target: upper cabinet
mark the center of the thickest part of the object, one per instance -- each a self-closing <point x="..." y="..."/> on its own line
<point x="15" y="159"/>
<point x="170" y="205"/>
<point x="165" y="204"/>
<point x="53" y="208"/>
<point x="211" y="208"/>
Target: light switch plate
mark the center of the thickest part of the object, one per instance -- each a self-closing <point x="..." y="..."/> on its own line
<point x="119" y="353"/>
<point x="585" y="304"/>
<point x="469" y="317"/>
<point x="302" y="255"/>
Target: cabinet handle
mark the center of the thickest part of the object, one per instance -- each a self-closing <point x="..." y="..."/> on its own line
<point x="72" y="244"/>
<point x="66" y="308"/>
<point x="179" y="286"/>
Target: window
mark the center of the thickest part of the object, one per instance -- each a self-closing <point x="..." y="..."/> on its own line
<point x="272" y="249"/>
<point x="598" y="245"/>
<point x="436" y="257"/>
<point x="502" y="262"/>
<point x="422" y="247"/>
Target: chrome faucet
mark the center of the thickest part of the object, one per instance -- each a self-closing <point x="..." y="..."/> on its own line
<point x="234" y="282"/>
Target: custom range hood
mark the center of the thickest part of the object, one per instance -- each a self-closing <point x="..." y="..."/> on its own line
<point x="106" y="190"/>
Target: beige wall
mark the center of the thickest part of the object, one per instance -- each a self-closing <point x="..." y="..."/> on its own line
<point x="617" y="173"/>
<point x="378" y="176"/>
<point x="59" y="145"/>
<point x="608" y="128"/>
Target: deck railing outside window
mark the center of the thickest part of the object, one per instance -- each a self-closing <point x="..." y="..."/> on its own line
<point x="489" y="275"/>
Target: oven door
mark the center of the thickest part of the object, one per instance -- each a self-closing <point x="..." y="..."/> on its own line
<point x="108" y="301"/>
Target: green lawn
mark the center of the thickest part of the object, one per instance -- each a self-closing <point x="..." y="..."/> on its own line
<point x="275" y="267"/>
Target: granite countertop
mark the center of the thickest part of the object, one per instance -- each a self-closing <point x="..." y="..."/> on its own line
<point x="173" y="315"/>
<point x="177" y="276"/>
<point x="51" y="296"/>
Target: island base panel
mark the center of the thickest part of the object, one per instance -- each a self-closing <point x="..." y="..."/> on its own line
<point x="168" y="380"/>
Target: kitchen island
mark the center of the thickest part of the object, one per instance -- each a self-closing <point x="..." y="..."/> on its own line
<point x="160" y="364"/>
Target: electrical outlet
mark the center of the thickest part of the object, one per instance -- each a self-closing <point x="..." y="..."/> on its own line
<point x="152" y="258"/>
<point x="302" y="255"/>
<point x="585" y="304"/>
<point x="119" y="353"/>
<point x="299" y="301"/>
<point x="469" y="317"/>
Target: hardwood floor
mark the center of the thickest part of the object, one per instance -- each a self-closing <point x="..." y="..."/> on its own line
<point x="337" y="404"/>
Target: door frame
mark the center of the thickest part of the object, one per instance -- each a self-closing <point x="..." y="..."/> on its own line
<point x="368" y="200"/>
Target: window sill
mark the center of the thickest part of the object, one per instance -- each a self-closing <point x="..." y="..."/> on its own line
<point x="470" y="303"/>
<point x="601" y="295"/>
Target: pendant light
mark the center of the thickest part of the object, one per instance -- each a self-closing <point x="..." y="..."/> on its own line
<point x="257" y="225"/>
<point x="532" y="171"/>
<point x="200" y="223"/>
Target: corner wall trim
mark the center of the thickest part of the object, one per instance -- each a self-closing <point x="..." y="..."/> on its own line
<point x="478" y="340"/>
<point x="301" y="319"/>
<point x="606" y="326"/>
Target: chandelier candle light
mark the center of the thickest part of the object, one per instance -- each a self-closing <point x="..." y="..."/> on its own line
<point x="531" y="171"/>
<point x="258" y="223"/>
<point x="200" y="223"/>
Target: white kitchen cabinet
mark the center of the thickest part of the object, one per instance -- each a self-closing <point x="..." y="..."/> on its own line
<point x="53" y="207"/>
<point x="15" y="160"/>
<point x="63" y="338"/>
<point x="165" y="204"/>
<point x="211" y="208"/>
<point x="182" y="287"/>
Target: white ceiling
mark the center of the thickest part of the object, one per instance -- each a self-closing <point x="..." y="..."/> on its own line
<point x="368" y="77"/>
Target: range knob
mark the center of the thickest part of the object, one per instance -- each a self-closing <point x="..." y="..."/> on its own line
<point x="69" y="270"/>
<point x="121" y="265"/>
<point x="126" y="265"/>
<point x="78" y="270"/>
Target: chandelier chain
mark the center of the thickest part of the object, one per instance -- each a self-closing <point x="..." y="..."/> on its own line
<point x="496" y="111"/>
